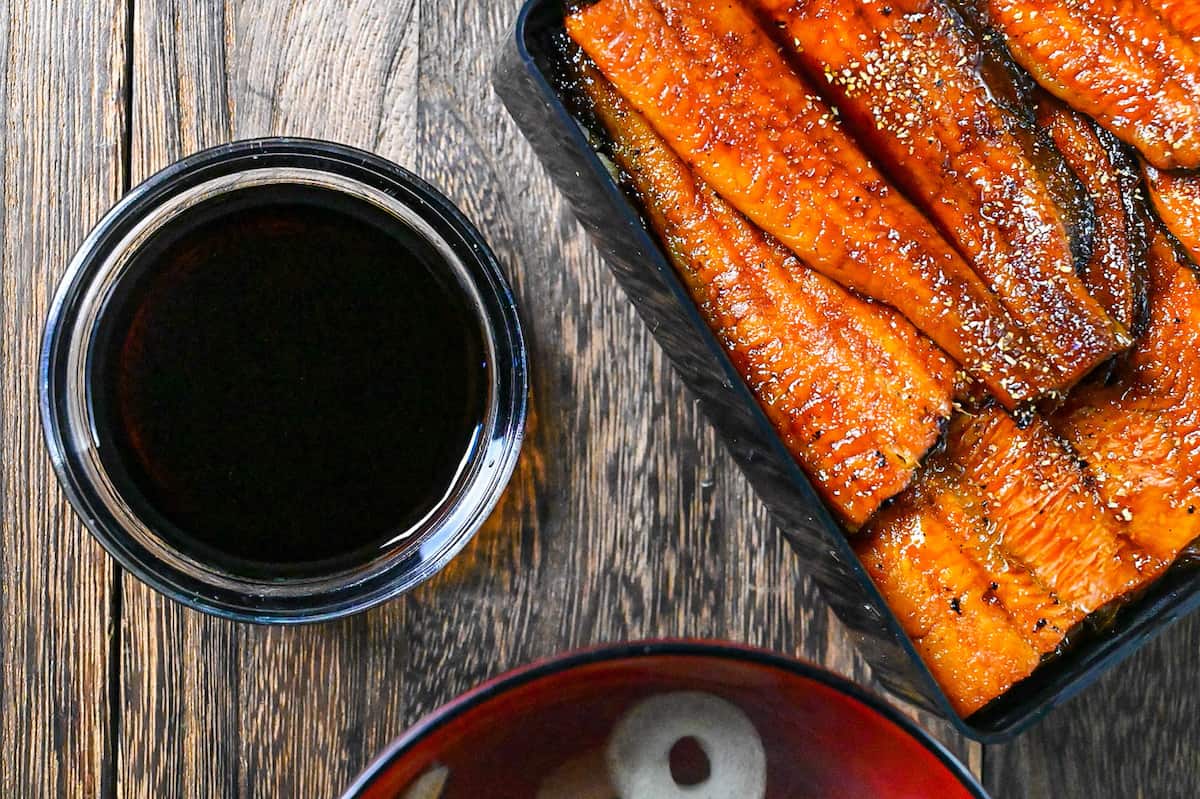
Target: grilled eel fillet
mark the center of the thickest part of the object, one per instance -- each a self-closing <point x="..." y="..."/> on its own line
<point x="749" y="126"/>
<point x="858" y="394"/>
<point x="1141" y="436"/>
<point x="1183" y="16"/>
<point x="1114" y="274"/>
<point x="946" y="600"/>
<point x="1118" y="62"/>
<point x="1010" y="536"/>
<point x="1176" y="197"/>
<point x="905" y="77"/>
<point x="997" y="551"/>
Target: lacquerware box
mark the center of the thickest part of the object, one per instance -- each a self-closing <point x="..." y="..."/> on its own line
<point x="528" y="77"/>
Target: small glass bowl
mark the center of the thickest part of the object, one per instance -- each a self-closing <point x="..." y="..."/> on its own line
<point x="66" y="369"/>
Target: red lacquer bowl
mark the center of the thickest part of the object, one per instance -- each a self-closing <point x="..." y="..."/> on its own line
<point x="608" y="724"/>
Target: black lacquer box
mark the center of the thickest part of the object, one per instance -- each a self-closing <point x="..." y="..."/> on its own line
<point x="527" y="78"/>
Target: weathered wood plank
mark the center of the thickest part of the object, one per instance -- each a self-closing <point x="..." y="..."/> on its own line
<point x="61" y="120"/>
<point x="212" y="708"/>
<point x="625" y="519"/>
<point x="1136" y="733"/>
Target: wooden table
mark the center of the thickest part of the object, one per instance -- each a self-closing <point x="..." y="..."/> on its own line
<point x="626" y="519"/>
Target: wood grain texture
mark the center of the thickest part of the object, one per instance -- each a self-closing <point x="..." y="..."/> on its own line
<point x="211" y="708"/>
<point x="1133" y="735"/>
<point x="626" y="518"/>
<point x="61" y="115"/>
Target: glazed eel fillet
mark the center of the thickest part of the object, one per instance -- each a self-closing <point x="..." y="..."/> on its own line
<point x="1176" y="197"/>
<point x="1141" y="436"/>
<point x="858" y="395"/>
<point x="1118" y="62"/>
<point x="904" y="75"/>
<point x="1114" y="273"/>
<point x="1001" y="546"/>
<point x="1183" y="16"/>
<point x="765" y="141"/>
<point x="1011" y="536"/>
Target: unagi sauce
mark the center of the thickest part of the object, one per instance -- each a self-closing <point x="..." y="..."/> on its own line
<point x="290" y="377"/>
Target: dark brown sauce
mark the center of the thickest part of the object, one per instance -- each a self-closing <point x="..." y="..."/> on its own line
<point x="291" y="377"/>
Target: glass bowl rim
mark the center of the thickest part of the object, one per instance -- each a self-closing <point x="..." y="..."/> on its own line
<point x="357" y="588"/>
